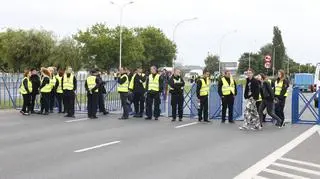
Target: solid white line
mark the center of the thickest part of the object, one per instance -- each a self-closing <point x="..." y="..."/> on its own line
<point x="97" y="146"/>
<point x="185" y="125"/>
<point x="77" y="120"/>
<point x="300" y="162"/>
<point x="284" y="174"/>
<point x="259" y="177"/>
<point x="297" y="169"/>
<point x="265" y="162"/>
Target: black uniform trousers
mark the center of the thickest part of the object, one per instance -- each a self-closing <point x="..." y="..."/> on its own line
<point x="69" y="98"/>
<point x="203" y="109"/>
<point x="279" y="108"/>
<point x="59" y="100"/>
<point x="125" y="104"/>
<point x="227" y="102"/>
<point x="26" y="107"/>
<point x="33" y="101"/>
<point x="177" y="101"/>
<point x="101" y="104"/>
<point x="92" y="104"/>
<point x="153" y="98"/>
<point x="45" y="102"/>
<point x="138" y="101"/>
<point x="52" y="100"/>
<point x="269" y="105"/>
<point x="258" y="103"/>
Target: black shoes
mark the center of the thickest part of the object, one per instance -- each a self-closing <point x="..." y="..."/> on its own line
<point x="173" y="120"/>
<point x="70" y="116"/>
<point x="147" y="118"/>
<point x="207" y="121"/>
<point x="123" y="118"/>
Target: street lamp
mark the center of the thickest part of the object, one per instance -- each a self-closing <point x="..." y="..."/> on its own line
<point x="220" y="47"/>
<point x="274" y="58"/>
<point x="175" y="29"/>
<point x="121" y="17"/>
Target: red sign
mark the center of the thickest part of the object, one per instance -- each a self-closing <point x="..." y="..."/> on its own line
<point x="267" y="65"/>
<point x="267" y="58"/>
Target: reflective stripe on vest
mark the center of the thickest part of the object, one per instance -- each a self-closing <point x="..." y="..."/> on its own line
<point x="48" y="87"/>
<point x="68" y="82"/>
<point x="131" y="86"/>
<point x="124" y="87"/>
<point x="91" y="82"/>
<point x="154" y="83"/>
<point x="260" y="98"/>
<point x="226" y="88"/>
<point x="278" y="88"/>
<point x="204" y="90"/>
<point x="59" y="88"/>
<point x="23" y="89"/>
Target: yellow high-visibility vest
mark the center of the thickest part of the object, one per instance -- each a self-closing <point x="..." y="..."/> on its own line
<point x="226" y="88"/>
<point x="47" y="88"/>
<point x="59" y="88"/>
<point x="53" y="81"/>
<point x="68" y="82"/>
<point x="204" y="90"/>
<point x="124" y="87"/>
<point x="131" y="85"/>
<point x="278" y="88"/>
<point x="154" y="83"/>
<point x="23" y="89"/>
<point x="91" y="82"/>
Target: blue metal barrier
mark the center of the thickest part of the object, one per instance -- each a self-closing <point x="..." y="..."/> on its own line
<point x="307" y="103"/>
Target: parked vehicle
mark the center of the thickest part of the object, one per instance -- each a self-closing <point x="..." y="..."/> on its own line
<point x="304" y="81"/>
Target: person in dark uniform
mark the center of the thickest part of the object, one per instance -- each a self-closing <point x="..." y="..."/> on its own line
<point x="26" y="90"/>
<point x="35" y="80"/>
<point x="176" y="84"/>
<point x="92" y="85"/>
<point x="280" y="87"/>
<point x="101" y="94"/>
<point x="45" y="89"/>
<point x="203" y="94"/>
<point x="227" y="89"/>
<point x="69" y="86"/>
<point x="123" y="90"/>
<point x="154" y="86"/>
<point x="59" y="90"/>
<point x="137" y="87"/>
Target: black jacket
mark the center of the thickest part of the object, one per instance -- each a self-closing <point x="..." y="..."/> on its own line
<point x="102" y="88"/>
<point x="284" y="88"/>
<point x="220" y="87"/>
<point x="45" y="81"/>
<point x="254" y="87"/>
<point x="160" y="84"/>
<point x="74" y="82"/>
<point x="35" y="80"/>
<point x="138" y="83"/>
<point x="177" y="87"/>
<point x="266" y="91"/>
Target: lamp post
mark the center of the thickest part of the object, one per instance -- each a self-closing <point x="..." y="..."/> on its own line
<point x="274" y="58"/>
<point x="220" y="47"/>
<point x="121" y="17"/>
<point x="175" y="30"/>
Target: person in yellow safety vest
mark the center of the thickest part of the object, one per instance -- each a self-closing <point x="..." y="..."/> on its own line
<point x="55" y="83"/>
<point x="123" y="90"/>
<point x="176" y="84"/>
<point x="227" y="89"/>
<point x="137" y="87"/>
<point x="92" y="85"/>
<point x="59" y="90"/>
<point x="203" y="89"/>
<point x="69" y="86"/>
<point x="281" y="86"/>
<point x="45" y="89"/>
<point x="259" y="101"/>
<point x="26" y="90"/>
<point x="154" y="89"/>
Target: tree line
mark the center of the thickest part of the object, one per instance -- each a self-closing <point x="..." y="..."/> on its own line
<point x="97" y="46"/>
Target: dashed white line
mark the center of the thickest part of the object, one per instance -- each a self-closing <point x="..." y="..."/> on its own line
<point x="265" y="162"/>
<point x="185" y="125"/>
<point x="97" y="146"/>
<point x="297" y="168"/>
<point x="76" y="120"/>
<point x="284" y="174"/>
<point x="300" y="162"/>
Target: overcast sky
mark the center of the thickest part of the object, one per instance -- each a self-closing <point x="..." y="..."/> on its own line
<point x="299" y="21"/>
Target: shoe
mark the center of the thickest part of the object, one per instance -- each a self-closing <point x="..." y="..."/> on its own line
<point x="22" y="113"/>
<point x="27" y="113"/>
<point x="67" y="115"/>
<point x="173" y="120"/>
<point x="207" y="121"/>
<point x="123" y="118"/>
<point x="94" y="117"/>
<point x="46" y="113"/>
<point x="156" y="119"/>
<point x="231" y="122"/>
<point x="136" y="115"/>
<point x="223" y="121"/>
<point x="51" y="111"/>
<point x="147" y="118"/>
<point x="105" y="113"/>
<point x="243" y="128"/>
<point x="200" y="120"/>
<point x="180" y="120"/>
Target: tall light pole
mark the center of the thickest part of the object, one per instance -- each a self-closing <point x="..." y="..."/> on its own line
<point x="121" y="17"/>
<point x="175" y="30"/>
<point x="220" y="47"/>
<point x="274" y="58"/>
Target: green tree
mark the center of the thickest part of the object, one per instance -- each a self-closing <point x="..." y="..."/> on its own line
<point x="279" y="49"/>
<point x="212" y="63"/>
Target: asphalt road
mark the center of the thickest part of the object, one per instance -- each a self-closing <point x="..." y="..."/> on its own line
<point x="48" y="147"/>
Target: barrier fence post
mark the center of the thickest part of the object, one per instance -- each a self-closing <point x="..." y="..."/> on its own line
<point x="295" y="105"/>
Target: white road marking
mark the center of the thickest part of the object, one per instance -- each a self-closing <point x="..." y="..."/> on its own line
<point x="77" y="120"/>
<point x="284" y="174"/>
<point x="300" y="162"/>
<point x="319" y="131"/>
<point x="185" y="125"/>
<point x="265" y="162"/>
<point x="97" y="146"/>
<point x="259" y="177"/>
<point x="297" y="168"/>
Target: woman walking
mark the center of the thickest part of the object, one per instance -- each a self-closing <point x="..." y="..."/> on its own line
<point x="26" y="90"/>
<point x="281" y="92"/>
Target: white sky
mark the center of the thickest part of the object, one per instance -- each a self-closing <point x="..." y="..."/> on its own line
<point x="299" y="21"/>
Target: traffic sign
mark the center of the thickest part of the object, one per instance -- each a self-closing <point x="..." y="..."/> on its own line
<point x="267" y="58"/>
<point x="267" y="65"/>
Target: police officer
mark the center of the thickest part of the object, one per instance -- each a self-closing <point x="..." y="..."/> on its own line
<point x="123" y="90"/>
<point x="176" y="84"/>
<point x="26" y="90"/>
<point x="45" y="89"/>
<point x="281" y="92"/>
<point x="92" y="85"/>
<point x="69" y="86"/>
<point x="101" y="94"/>
<point x="154" y="88"/>
<point x="59" y="90"/>
<point x="137" y="86"/>
<point x="202" y="94"/>
<point x="55" y="83"/>
<point x="35" y="80"/>
<point x="227" y="91"/>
